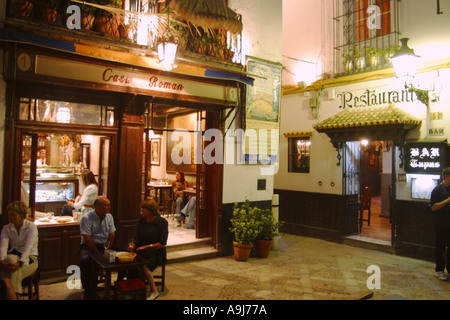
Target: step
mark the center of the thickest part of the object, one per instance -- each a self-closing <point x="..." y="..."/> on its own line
<point x="192" y="244"/>
<point x="369" y="243"/>
<point x="191" y="254"/>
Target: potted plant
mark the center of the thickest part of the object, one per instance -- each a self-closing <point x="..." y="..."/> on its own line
<point x="360" y="61"/>
<point x="269" y="230"/>
<point x="107" y="22"/>
<point x="348" y="56"/>
<point x="245" y="228"/>
<point x="88" y="15"/>
<point x="49" y="10"/>
<point x="374" y="56"/>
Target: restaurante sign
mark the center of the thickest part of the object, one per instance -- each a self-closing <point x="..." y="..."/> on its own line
<point x="374" y="98"/>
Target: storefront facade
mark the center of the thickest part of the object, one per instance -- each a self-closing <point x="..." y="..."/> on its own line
<point x="92" y="111"/>
<point x="361" y="128"/>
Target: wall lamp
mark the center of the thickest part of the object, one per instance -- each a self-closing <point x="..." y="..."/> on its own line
<point x="405" y="63"/>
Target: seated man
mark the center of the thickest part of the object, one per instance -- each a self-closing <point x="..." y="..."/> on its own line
<point x="189" y="209"/>
<point x="97" y="234"/>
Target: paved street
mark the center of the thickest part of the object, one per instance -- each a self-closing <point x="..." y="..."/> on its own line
<point x="302" y="269"/>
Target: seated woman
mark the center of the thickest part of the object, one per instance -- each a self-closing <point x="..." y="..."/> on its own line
<point x="85" y="202"/>
<point x="21" y="260"/>
<point x="151" y="240"/>
<point x="178" y="187"/>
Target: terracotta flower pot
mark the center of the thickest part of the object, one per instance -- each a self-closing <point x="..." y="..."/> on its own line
<point x="262" y="248"/>
<point x="242" y="251"/>
<point x="87" y="20"/>
<point x="107" y="25"/>
<point x="49" y="15"/>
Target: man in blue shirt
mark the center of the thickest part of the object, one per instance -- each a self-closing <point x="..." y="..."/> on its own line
<point x="97" y="234"/>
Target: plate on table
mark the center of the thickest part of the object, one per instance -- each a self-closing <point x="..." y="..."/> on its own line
<point x="124" y="256"/>
<point x="63" y="219"/>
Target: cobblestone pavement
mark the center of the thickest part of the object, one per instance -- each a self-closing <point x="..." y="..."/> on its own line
<point x="301" y="269"/>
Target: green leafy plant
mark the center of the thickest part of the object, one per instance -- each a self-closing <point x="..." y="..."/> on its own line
<point x="245" y="225"/>
<point x="269" y="228"/>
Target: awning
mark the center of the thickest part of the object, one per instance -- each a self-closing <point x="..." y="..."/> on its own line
<point x="380" y="123"/>
<point x="8" y="35"/>
<point x="208" y="14"/>
<point x="298" y="134"/>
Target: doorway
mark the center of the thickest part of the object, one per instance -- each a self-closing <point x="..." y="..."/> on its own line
<point x="173" y="142"/>
<point x="368" y="181"/>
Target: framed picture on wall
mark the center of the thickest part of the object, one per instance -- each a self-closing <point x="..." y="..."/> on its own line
<point x="155" y="152"/>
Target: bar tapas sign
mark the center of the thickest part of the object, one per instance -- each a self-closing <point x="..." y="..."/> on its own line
<point x="425" y="157"/>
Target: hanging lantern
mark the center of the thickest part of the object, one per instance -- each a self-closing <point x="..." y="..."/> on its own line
<point x="405" y="61"/>
<point x="167" y="48"/>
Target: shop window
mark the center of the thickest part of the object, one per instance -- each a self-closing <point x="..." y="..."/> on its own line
<point x="299" y="155"/>
<point x="65" y="112"/>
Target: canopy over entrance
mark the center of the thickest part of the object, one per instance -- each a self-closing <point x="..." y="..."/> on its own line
<point x="386" y="123"/>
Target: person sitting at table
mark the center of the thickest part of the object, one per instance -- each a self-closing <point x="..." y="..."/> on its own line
<point x="178" y="186"/>
<point x="189" y="209"/>
<point x="150" y="242"/>
<point x="20" y="236"/>
<point x="84" y="202"/>
<point x="97" y="234"/>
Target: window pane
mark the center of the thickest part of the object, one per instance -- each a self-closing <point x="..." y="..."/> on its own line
<point x="64" y="112"/>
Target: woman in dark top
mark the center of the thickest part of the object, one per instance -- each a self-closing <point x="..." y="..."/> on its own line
<point x="151" y="240"/>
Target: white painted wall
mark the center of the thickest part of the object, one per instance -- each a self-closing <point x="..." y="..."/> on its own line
<point x="262" y="20"/>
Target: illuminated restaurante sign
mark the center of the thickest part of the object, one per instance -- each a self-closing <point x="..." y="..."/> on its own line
<point x="370" y="98"/>
<point x="425" y="157"/>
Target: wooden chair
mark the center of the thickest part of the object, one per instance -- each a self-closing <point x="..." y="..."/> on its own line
<point x="366" y="200"/>
<point x="162" y="277"/>
<point x="30" y="282"/>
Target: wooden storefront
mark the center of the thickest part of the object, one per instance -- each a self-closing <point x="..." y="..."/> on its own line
<point x="126" y="92"/>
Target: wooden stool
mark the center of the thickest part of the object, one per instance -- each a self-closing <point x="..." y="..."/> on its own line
<point x="28" y="283"/>
<point x="134" y="287"/>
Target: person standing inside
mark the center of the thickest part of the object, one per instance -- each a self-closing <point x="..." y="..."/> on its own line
<point x="97" y="234"/>
<point x="440" y="205"/>
<point x="18" y="249"/>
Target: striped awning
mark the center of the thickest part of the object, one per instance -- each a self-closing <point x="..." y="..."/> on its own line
<point x="208" y="14"/>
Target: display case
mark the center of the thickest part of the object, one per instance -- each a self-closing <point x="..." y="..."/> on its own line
<point x="46" y="172"/>
<point x="54" y="186"/>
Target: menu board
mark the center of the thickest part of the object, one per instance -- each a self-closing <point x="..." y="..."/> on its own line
<point x="262" y="112"/>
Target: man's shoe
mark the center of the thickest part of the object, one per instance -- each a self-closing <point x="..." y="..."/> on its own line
<point x="441" y="275"/>
<point x="189" y="226"/>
